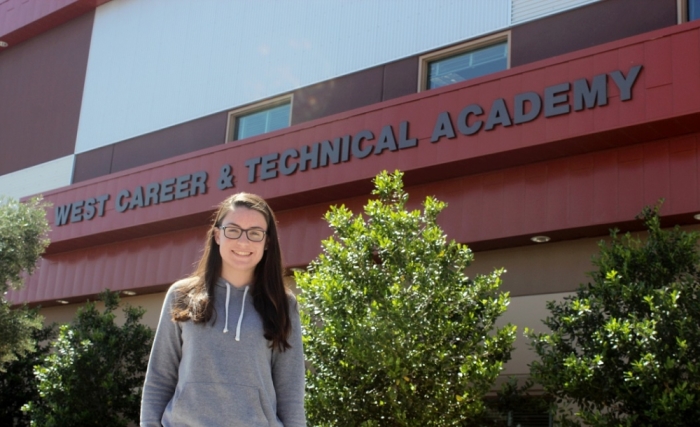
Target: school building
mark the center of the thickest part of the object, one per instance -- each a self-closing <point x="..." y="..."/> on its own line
<point x="542" y="123"/>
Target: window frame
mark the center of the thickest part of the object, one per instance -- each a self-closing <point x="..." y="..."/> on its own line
<point x="233" y="115"/>
<point x="425" y="60"/>
<point x="682" y="10"/>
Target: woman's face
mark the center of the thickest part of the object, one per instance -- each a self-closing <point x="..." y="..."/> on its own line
<point x="240" y="256"/>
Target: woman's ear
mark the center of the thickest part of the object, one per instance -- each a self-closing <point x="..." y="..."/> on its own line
<point x="216" y="236"/>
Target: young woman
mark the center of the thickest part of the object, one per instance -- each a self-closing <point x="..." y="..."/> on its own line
<point x="227" y="351"/>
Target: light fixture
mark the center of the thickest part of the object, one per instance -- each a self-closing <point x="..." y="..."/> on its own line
<point x="129" y="293"/>
<point x="540" y="239"/>
<point x="62" y="301"/>
<point x="697" y="216"/>
<point x="3" y="43"/>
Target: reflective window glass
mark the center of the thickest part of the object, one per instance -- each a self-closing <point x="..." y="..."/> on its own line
<point x="693" y="10"/>
<point x="262" y="121"/>
<point x="468" y="65"/>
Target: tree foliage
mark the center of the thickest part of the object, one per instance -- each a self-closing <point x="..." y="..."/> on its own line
<point x="94" y="374"/>
<point x="17" y="325"/>
<point x="624" y="350"/>
<point x="395" y="332"/>
<point x="515" y="405"/>
<point x="18" y="385"/>
<point x="23" y="231"/>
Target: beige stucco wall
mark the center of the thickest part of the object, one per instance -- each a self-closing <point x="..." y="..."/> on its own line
<point x="535" y="274"/>
<point x="544" y="268"/>
<point x="526" y="312"/>
<point x="151" y="302"/>
<point x="539" y="270"/>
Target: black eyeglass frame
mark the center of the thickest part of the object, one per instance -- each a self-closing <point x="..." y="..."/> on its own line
<point x="225" y="228"/>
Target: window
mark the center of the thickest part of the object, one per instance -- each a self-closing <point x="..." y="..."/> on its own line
<point x="688" y="10"/>
<point x="467" y="65"/>
<point x="259" y="119"/>
<point x="693" y="10"/>
<point x="464" y="62"/>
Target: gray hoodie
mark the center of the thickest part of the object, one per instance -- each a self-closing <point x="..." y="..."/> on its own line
<point x="223" y="374"/>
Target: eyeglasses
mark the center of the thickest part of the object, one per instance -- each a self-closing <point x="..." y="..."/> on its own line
<point x="253" y="234"/>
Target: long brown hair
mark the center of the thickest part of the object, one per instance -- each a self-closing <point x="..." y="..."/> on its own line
<point x="194" y="300"/>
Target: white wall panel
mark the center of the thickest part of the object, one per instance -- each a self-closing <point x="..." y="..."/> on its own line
<point x="38" y="179"/>
<point x="156" y="63"/>
<point x="527" y="10"/>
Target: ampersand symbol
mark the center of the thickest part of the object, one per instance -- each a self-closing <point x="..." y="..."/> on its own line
<point x="225" y="177"/>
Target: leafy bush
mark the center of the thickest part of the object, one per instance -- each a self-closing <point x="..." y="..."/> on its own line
<point x="94" y="375"/>
<point x="395" y="333"/>
<point x="18" y="384"/>
<point x="514" y="405"/>
<point x="625" y="349"/>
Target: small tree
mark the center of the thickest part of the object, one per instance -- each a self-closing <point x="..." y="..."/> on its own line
<point x="94" y="375"/>
<point x="625" y="349"/>
<point x="23" y="230"/>
<point x="395" y="333"/>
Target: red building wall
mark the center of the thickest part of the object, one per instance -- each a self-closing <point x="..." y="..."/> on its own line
<point x="571" y="175"/>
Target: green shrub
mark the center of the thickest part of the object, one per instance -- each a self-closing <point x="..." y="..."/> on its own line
<point x="18" y="385"/>
<point x="625" y="349"/>
<point x="394" y="331"/>
<point x="94" y="374"/>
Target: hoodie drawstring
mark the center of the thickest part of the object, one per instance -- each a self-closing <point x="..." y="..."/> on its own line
<point x="228" y="297"/>
<point x="240" y="318"/>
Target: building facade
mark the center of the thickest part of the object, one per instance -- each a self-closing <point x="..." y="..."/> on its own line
<point x="541" y="123"/>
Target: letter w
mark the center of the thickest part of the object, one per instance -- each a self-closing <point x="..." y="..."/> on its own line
<point x="62" y="214"/>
